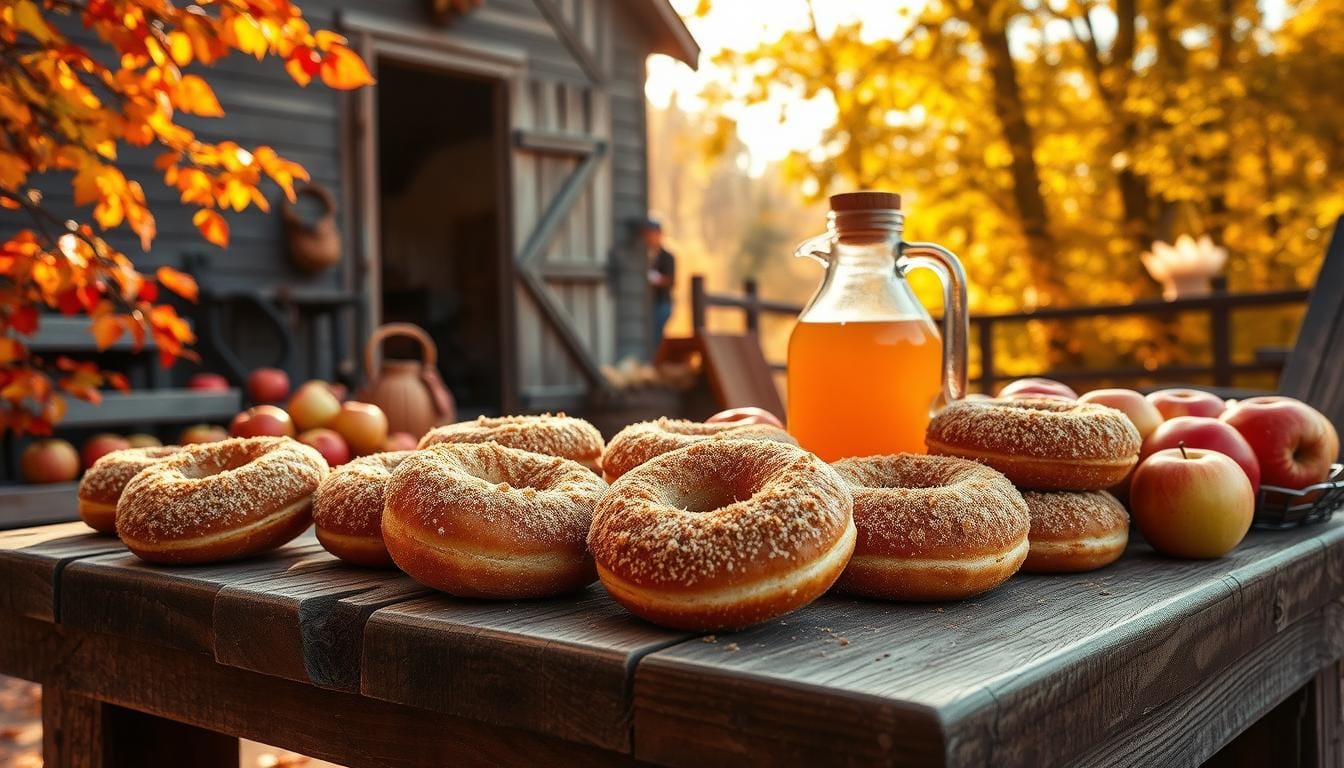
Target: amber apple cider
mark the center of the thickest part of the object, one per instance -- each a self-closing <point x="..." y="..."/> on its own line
<point x="863" y="388"/>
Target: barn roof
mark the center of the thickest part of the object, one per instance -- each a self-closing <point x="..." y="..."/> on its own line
<point x="670" y="35"/>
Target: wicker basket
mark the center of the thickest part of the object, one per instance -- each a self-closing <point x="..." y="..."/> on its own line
<point x="1279" y="508"/>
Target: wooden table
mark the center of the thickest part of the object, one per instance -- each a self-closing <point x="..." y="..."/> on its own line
<point x="1148" y="662"/>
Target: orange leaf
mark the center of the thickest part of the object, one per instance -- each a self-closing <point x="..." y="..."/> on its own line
<point x="343" y="69"/>
<point x="212" y="226"/>
<point x="10" y="350"/>
<point x="181" y="283"/>
<point x="196" y="97"/>
<point x="106" y="330"/>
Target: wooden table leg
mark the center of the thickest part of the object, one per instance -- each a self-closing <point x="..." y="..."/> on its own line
<point x="80" y="732"/>
<point x="1329" y="710"/>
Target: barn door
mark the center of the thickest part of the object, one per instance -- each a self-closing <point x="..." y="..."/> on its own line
<point x="562" y="236"/>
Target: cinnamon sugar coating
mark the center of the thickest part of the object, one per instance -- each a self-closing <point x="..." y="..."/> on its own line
<point x="491" y="497"/>
<point x="720" y="513"/>
<point x="917" y="506"/>
<point x="1037" y="427"/>
<point x="640" y="442"/>
<point x="552" y="435"/>
<point x="1070" y="515"/>
<point x="107" y="478"/>
<point x="350" y="499"/>
<point x="218" y="487"/>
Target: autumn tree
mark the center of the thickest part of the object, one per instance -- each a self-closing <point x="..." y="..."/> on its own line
<point x="67" y="111"/>
<point x="1050" y="142"/>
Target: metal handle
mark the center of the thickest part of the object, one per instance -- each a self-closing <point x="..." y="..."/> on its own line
<point x="956" y="321"/>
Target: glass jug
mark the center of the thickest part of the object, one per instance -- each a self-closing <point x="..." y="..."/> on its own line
<point x="867" y="365"/>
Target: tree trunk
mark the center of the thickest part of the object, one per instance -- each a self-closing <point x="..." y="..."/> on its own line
<point x="1026" y="191"/>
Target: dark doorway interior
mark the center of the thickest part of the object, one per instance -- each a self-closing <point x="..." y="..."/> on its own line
<point x="441" y="182"/>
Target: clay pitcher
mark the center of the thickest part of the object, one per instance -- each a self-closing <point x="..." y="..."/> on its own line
<point x="410" y="392"/>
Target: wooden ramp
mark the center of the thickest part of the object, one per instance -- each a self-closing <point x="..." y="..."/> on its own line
<point x="737" y="371"/>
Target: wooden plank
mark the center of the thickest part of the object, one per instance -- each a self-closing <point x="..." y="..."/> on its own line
<point x="25" y="506"/>
<point x="314" y="614"/>
<point x="1328" y="709"/>
<point x="563" y="30"/>
<point x="159" y="406"/>
<point x="738" y="373"/>
<point x="561" y="667"/>
<point x="170" y="606"/>
<point x="330" y="725"/>
<point x="1199" y="722"/>
<point x="32" y="560"/>
<point x="1031" y="673"/>
<point x="1312" y="372"/>
<point x="563" y="144"/>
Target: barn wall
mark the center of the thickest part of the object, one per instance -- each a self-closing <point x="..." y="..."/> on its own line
<point x="305" y="124"/>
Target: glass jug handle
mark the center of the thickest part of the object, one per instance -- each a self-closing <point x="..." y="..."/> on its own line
<point x="816" y="248"/>
<point x="956" y="321"/>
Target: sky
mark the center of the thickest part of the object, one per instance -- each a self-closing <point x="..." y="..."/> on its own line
<point x="744" y="24"/>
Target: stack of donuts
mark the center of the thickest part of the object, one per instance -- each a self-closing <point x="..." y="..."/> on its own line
<point x="1062" y="454"/>
<point x="694" y="525"/>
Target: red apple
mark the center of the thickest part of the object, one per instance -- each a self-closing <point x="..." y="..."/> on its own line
<point x="1038" y="386"/>
<point x="313" y="405"/>
<point x="1143" y="414"/>
<point x="363" y="425"/>
<point x="1191" y="502"/>
<point x="208" y="382"/>
<point x="49" y="461"/>
<point x="401" y="441"/>
<point x="1209" y="434"/>
<point x="202" y="433"/>
<point x="331" y="445"/>
<point x="747" y="415"/>
<point x="100" y="445"/>
<point x="1295" y="443"/>
<point x="1186" y="402"/>
<point x="267" y="385"/>
<point x="262" y="420"/>
<point x="142" y="440"/>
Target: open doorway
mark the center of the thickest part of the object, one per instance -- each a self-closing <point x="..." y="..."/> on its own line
<point x="442" y="186"/>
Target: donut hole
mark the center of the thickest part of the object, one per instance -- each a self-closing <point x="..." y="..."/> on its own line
<point x="710" y="493"/>
<point x="216" y="464"/>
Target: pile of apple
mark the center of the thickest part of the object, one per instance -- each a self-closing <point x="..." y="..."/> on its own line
<point x="1204" y="459"/>
<point x="56" y="461"/>
<point x="317" y="415"/>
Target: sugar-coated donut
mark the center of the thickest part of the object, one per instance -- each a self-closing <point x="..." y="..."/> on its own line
<point x="1075" y="531"/>
<point x="102" y="484"/>
<point x="553" y="435"/>
<point x="931" y="527"/>
<point x="1040" y="443"/>
<point x="723" y="534"/>
<point x="640" y="442"/>
<point x="220" y="501"/>
<point x="348" y="509"/>
<point x="484" y="520"/>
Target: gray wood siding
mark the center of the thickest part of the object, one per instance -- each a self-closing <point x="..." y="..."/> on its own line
<point x="264" y="106"/>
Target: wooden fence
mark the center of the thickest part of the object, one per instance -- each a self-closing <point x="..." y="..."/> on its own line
<point x="1217" y="307"/>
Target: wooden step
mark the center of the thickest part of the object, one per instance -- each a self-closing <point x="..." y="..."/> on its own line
<point x="155" y="406"/>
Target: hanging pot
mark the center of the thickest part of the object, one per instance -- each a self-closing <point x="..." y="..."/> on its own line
<point x="410" y="392"/>
<point x="316" y="246"/>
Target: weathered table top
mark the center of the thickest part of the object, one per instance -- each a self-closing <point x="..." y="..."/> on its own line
<point x="1045" y="670"/>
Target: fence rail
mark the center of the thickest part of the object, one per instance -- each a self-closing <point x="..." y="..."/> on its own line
<point x="1218" y="306"/>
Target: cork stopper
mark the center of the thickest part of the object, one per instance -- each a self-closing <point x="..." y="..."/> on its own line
<point x="866" y="201"/>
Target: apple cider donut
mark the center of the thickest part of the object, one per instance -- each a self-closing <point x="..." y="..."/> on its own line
<point x="1042" y="443"/>
<point x="1073" y="532"/>
<point x="640" y="442"/>
<point x="931" y="527"/>
<point x="101" y="486"/>
<point x="723" y="534"/>
<point x="484" y="520"/>
<point x="348" y="509"/>
<point x="220" y="501"/>
<point x="551" y="435"/>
